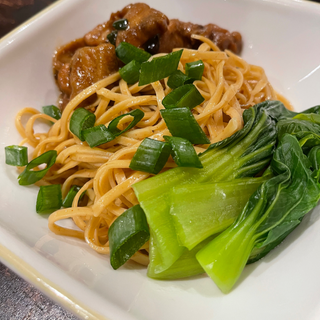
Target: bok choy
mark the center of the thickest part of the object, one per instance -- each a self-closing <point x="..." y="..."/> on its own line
<point x="244" y="154"/>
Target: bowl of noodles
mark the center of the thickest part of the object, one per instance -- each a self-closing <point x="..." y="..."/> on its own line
<point x="66" y="253"/>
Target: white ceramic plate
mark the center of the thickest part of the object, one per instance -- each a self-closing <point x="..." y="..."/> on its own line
<point x="283" y="37"/>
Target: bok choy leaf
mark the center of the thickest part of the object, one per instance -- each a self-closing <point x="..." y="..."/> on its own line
<point x="244" y="154"/>
<point x="272" y="212"/>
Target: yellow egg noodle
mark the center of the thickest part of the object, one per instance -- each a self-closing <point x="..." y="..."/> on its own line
<point x="229" y="85"/>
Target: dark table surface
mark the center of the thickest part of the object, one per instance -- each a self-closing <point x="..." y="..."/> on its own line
<point x="18" y="299"/>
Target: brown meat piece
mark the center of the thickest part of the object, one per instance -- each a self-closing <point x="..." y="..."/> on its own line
<point x="65" y="53"/>
<point x="178" y="35"/>
<point x="99" y="34"/>
<point x="144" y="23"/>
<point x="91" y="64"/>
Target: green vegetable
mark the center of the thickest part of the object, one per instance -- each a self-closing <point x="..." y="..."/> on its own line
<point x="244" y="154"/>
<point x="210" y="208"/>
<point x="98" y="135"/>
<point x="178" y="79"/>
<point x="81" y="119"/>
<point x="195" y="69"/>
<point x="159" y="68"/>
<point x="113" y="125"/>
<point x="183" y="152"/>
<point x="67" y="202"/>
<point x="181" y="123"/>
<point x="127" y="52"/>
<point x="52" y="111"/>
<point x="16" y="155"/>
<point x="128" y="233"/>
<point x="49" y="199"/>
<point x="272" y="212"/>
<point x="151" y="156"/>
<point x="130" y="72"/>
<point x="185" y="96"/>
<point x="28" y="176"/>
<point x="186" y="266"/>
<point x="121" y="24"/>
<point x="112" y="37"/>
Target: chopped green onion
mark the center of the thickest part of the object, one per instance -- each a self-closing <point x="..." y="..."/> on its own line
<point x="183" y="152"/>
<point x="121" y="24"/>
<point x="16" y="156"/>
<point x="49" y="199"/>
<point x="184" y="96"/>
<point x="130" y="72"/>
<point x="159" y="68"/>
<point x="127" y="52"/>
<point x="178" y="79"/>
<point x="195" y="69"/>
<point x="52" y="111"/>
<point x="128" y="233"/>
<point x="112" y="37"/>
<point x="151" y="156"/>
<point x="28" y="176"/>
<point x="67" y="202"/>
<point x="81" y="119"/>
<point x="98" y="135"/>
<point x="113" y="125"/>
<point x="181" y="123"/>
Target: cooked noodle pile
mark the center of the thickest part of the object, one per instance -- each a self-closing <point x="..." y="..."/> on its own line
<point x="229" y="85"/>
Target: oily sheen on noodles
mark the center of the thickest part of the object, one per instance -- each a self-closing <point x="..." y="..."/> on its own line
<point x="229" y="85"/>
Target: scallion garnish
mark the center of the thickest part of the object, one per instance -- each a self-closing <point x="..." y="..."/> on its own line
<point x="81" y="119"/>
<point x="113" y="125"/>
<point x="130" y="72"/>
<point x="98" y="135"/>
<point x="178" y="79"/>
<point x="151" y="156"/>
<point x="128" y="233"/>
<point x="127" y="52"/>
<point x="121" y="24"/>
<point x="184" y="96"/>
<point x="49" y="199"/>
<point x="195" y="69"/>
<point x="183" y="152"/>
<point x="28" y="176"/>
<point x="52" y="111"/>
<point x="67" y="202"/>
<point x="181" y="123"/>
<point x="16" y="155"/>
<point x="159" y="68"/>
<point x="112" y="37"/>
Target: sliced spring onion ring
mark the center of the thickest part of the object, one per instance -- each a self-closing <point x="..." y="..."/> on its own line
<point x="52" y="111"/>
<point x="151" y="156"/>
<point x="81" y="119"/>
<point x="130" y="72"/>
<point x="98" y="135"/>
<point x="49" y="199"/>
<point x="121" y="24"/>
<point x="16" y="155"/>
<point x="127" y="52"/>
<point x="181" y="123"/>
<point x="113" y="125"/>
<point x="195" y="69"/>
<point x="183" y="152"/>
<point x="178" y="79"/>
<point x="67" y="202"/>
<point x="112" y="37"/>
<point x="28" y="176"/>
<point x="127" y="234"/>
<point x="184" y="96"/>
<point x="159" y="68"/>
